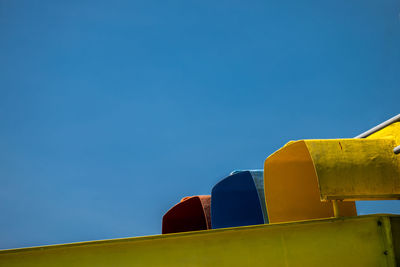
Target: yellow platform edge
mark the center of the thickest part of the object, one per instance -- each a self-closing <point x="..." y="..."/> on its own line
<point x="371" y="240"/>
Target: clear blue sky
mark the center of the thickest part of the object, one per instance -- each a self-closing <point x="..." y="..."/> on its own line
<point x="111" y="111"/>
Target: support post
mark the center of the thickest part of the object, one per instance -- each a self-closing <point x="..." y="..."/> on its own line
<point x="335" y="208"/>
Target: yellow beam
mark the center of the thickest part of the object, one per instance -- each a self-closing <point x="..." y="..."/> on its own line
<point x="358" y="241"/>
<point x="356" y="169"/>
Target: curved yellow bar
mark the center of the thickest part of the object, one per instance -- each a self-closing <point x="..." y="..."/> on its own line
<point x="291" y="187"/>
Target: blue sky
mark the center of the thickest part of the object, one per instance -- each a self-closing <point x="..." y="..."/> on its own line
<point x="111" y="111"/>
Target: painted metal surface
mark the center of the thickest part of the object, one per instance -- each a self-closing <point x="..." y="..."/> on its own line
<point x="291" y="187"/>
<point x="392" y="131"/>
<point x="235" y="201"/>
<point x="190" y="214"/>
<point x="356" y="169"/>
<point x="358" y="241"/>
<point x="387" y="129"/>
<point x="258" y="178"/>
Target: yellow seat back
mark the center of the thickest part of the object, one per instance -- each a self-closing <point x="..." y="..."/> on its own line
<point x="291" y="187"/>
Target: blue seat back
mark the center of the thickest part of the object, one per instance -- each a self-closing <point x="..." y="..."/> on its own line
<point x="238" y="200"/>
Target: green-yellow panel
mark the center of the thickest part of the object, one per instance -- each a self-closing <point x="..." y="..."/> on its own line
<point x="291" y="187"/>
<point x="391" y="131"/>
<point x="356" y="169"/>
<point x="357" y="241"/>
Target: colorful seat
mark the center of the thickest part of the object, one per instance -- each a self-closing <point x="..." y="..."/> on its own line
<point x="190" y="214"/>
<point x="239" y="200"/>
<point x="292" y="189"/>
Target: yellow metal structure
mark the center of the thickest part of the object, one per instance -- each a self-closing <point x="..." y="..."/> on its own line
<point x="291" y="187"/>
<point x="303" y="173"/>
<point x="392" y="132"/>
<point x="356" y="169"/>
<point x="357" y="241"/>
